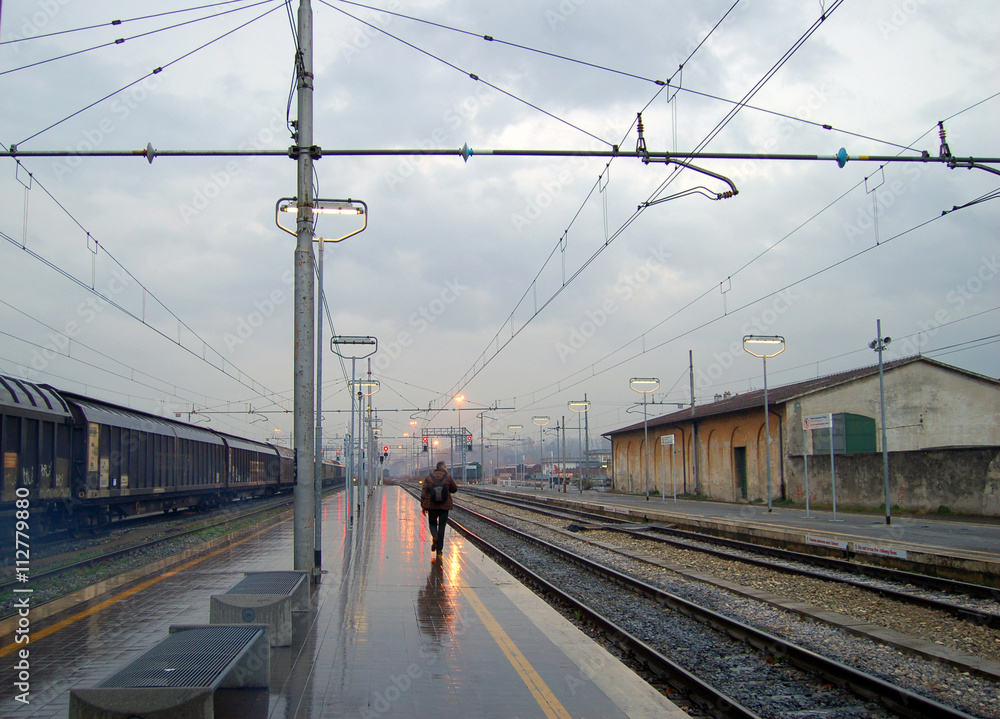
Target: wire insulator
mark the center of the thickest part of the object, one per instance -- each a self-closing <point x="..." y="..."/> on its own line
<point x="640" y="144"/>
<point x="944" y="151"/>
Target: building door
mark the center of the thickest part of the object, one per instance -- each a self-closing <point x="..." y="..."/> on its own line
<point x="740" y="470"/>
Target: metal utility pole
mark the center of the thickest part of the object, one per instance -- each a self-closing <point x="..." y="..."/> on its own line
<point x="694" y="429"/>
<point x="564" y="453"/>
<point x="318" y="477"/>
<point x="586" y="439"/>
<point x="305" y="299"/>
<point x="878" y="345"/>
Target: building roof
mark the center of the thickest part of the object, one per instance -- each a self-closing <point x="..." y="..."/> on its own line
<point x="785" y="393"/>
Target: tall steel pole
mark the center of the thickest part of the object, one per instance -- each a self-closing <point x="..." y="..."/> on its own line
<point x="694" y="430"/>
<point x="645" y="432"/>
<point x="880" y="345"/>
<point x="767" y="436"/>
<point x="305" y="311"/>
<point x="586" y="440"/>
<point x="351" y="480"/>
<point x="318" y="477"/>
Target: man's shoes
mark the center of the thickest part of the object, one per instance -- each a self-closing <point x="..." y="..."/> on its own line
<point x="434" y="546"/>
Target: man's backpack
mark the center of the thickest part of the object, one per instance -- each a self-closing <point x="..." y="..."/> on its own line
<point x="439" y="491"/>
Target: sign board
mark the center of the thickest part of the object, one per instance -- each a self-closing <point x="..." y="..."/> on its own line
<point x="824" y="542"/>
<point x="817" y="421"/>
<point x="881" y="551"/>
<point x="667" y="439"/>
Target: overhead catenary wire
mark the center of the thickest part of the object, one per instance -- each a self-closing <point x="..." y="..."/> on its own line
<point x="110" y="301"/>
<point x="748" y="263"/>
<point x="471" y="75"/>
<point x="115" y="23"/>
<point x="123" y="40"/>
<point x="483" y="360"/>
<point x="155" y="71"/>
<point x="495" y="340"/>
<point x="593" y="372"/>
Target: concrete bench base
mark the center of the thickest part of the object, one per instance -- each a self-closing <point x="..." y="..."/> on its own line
<point x="264" y="598"/>
<point x="274" y="610"/>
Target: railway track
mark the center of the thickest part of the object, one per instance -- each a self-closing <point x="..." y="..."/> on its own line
<point x="631" y="608"/>
<point x="974" y="603"/>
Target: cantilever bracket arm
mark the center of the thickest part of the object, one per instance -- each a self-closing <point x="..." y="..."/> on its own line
<point x="969" y="164"/>
<point x="731" y="192"/>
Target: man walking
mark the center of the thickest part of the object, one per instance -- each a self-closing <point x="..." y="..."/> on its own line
<point x="435" y="498"/>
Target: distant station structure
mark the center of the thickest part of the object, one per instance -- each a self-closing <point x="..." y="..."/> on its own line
<point x="942" y="428"/>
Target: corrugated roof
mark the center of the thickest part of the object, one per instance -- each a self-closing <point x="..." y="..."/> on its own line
<point x="785" y="393"/>
<point x="116" y="416"/>
<point x="31" y="397"/>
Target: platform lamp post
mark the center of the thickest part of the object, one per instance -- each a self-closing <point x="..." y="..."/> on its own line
<point x="336" y="342"/>
<point x="364" y="388"/>
<point x="879" y="344"/>
<point x="765" y="346"/>
<point x="540" y="421"/>
<point x="413" y="446"/>
<point x="514" y="429"/>
<point x="581" y="407"/>
<point x="645" y="385"/>
<point x="306" y="208"/>
<point x="461" y="449"/>
<point x="497" y="437"/>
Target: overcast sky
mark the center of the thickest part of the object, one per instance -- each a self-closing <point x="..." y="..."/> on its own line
<point x="521" y="282"/>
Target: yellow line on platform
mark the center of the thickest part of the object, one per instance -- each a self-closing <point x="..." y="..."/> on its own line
<point x="52" y="629"/>
<point x="536" y="685"/>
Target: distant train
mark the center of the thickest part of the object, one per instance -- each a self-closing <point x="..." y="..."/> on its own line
<point x="73" y="461"/>
<point x="473" y="472"/>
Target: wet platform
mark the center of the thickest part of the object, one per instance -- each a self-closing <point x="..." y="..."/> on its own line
<point x="391" y="632"/>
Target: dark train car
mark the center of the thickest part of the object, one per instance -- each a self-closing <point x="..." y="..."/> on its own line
<point x="287" y="459"/>
<point x="127" y="462"/>
<point x="75" y="461"/>
<point x="35" y="429"/>
<point x="333" y="473"/>
<point x="254" y="467"/>
<point x="473" y="472"/>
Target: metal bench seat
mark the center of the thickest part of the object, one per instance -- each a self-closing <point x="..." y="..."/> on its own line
<point x="179" y="676"/>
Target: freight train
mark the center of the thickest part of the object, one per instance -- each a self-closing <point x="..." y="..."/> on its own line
<point x="73" y="462"/>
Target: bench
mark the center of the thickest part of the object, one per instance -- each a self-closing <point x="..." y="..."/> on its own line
<point x="178" y="677"/>
<point x="264" y="598"/>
